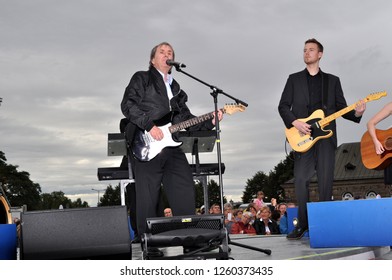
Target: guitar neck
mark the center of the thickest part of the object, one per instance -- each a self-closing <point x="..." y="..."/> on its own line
<point x="338" y="114"/>
<point x="191" y="122"/>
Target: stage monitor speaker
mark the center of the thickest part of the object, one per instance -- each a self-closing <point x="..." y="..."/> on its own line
<point x="76" y="233"/>
<point x="196" y="231"/>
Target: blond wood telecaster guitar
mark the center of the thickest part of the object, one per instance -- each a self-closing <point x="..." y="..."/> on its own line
<point x="370" y="159"/>
<point x="300" y="142"/>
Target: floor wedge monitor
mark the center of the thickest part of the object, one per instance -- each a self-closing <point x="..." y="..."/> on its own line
<point x="200" y="236"/>
<point x="77" y="233"/>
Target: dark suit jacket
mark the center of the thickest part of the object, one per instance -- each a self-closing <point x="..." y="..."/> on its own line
<point x="294" y="102"/>
<point x="145" y="101"/>
<point x="272" y="225"/>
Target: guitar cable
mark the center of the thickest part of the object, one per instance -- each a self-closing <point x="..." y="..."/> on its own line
<point x="285" y="149"/>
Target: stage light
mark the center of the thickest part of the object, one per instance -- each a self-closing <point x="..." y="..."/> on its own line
<point x="295" y="222"/>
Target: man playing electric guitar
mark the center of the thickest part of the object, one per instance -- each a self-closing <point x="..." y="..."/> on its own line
<point x="149" y="96"/>
<point x="304" y="93"/>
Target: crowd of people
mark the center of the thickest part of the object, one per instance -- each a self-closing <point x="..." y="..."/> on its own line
<point x="258" y="218"/>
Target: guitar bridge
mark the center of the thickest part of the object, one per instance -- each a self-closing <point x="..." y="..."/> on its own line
<point x="305" y="141"/>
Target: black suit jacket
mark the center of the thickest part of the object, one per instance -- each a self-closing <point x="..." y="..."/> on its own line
<point x="272" y="225"/>
<point x="145" y="101"/>
<point x="294" y="102"/>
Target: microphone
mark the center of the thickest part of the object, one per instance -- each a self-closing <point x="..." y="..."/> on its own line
<point x="175" y="64"/>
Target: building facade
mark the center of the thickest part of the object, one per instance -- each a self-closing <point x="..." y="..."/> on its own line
<point x="352" y="180"/>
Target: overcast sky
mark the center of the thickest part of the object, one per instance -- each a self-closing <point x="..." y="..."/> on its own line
<point x="64" y="66"/>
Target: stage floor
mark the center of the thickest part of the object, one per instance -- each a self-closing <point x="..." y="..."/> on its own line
<point x="283" y="249"/>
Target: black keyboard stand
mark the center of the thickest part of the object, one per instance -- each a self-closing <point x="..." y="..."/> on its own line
<point x="196" y="142"/>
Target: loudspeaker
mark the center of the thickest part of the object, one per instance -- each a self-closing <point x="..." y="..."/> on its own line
<point x="195" y="231"/>
<point x="77" y="233"/>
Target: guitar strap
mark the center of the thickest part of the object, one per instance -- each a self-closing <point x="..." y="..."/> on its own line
<point x="128" y="129"/>
<point x="324" y="91"/>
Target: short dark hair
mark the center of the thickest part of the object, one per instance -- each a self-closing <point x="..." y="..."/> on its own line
<point x="319" y="45"/>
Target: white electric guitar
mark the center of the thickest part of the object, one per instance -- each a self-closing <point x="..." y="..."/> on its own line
<point x="145" y="147"/>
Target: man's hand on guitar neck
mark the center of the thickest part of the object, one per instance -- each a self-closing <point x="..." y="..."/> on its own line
<point x="302" y="127"/>
<point x="220" y="116"/>
<point x="360" y="108"/>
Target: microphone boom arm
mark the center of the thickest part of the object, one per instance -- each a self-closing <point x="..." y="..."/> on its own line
<point x="215" y="90"/>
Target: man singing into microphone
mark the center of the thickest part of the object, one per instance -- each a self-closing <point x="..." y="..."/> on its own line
<point x="149" y="97"/>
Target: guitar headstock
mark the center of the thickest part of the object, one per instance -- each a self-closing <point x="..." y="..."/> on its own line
<point x="233" y="108"/>
<point x="375" y="96"/>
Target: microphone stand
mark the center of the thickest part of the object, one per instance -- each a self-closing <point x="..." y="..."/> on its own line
<point x="214" y="93"/>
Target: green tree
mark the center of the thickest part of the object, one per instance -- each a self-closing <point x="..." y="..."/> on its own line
<point x="20" y="190"/>
<point x="111" y="197"/>
<point x="199" y="193"/>
<point x="282" y="172"/>
<point x="270" y="184"/>
<point x="214" y="195"/>
<point x="259" y="182"/>
<point x="79" y="204"/>
<point x="18" y="187"/>
<point x="54" y="200"/>
<point x="57" y="198"/>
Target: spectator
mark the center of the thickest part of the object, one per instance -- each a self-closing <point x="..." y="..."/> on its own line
<point x="265" y="225"/>
<point x="229" y="218"/>
<point x="237" y="215"/>
<point x="275" y="215"/>
<point x="243" y="226"/>
<point x="282" y="208"/>
<point x="274" y="203"/>
<point x="283" y="224"/>
<point x="167" y="212"/>
<point x="259" y="200"/>
<point x="215" y="209"/>
<point x="252" y="209"/>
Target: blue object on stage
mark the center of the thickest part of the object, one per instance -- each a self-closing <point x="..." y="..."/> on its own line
<point x="131" y="232"/>
<point x="292" y="214"/>
<point x="8" y="241"/>
<point x="350" y="223"/>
